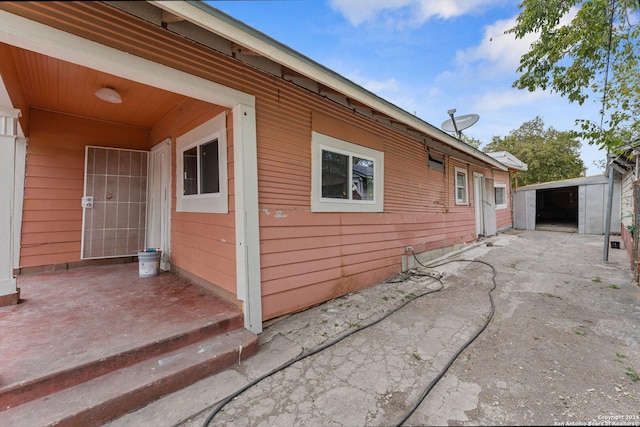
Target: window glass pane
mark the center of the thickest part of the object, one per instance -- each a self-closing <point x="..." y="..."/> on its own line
<point x="190" y="165"/>
<point x="362" y="179"/>
<point x="500" y="196"/>
<point x="335" y="175"/>
<point x="209" y="173"/>
<point x="461" y="187"/>
<point x="460" y="197"/>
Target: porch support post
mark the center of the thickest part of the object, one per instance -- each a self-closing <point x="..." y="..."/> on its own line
<point x="246" y="215"/>
<point x="9" y="293"/>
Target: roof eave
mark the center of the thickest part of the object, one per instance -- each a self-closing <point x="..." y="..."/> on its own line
<point x="512" y="162"/>
<point x="217" y="22"/>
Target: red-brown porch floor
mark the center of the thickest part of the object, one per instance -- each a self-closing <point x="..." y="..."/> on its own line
<point x="77" y="316"/>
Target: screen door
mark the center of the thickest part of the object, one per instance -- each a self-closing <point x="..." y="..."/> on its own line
<point x="114" y="202"/>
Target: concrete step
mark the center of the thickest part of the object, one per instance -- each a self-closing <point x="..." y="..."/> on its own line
<point x="28" y="389"/>
<point x="109" y="396"/>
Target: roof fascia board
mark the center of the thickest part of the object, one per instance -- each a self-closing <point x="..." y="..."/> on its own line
<point x="570" y="182"/>
<point x="26" y="34"/>
<point x="509" y="160"/>
<point x="217" y="22"/>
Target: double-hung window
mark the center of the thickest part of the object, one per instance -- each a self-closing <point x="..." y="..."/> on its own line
<point x="201" y="157"/>
<point x="346" y="177"/>
<point x="462" y="192"/>
<point x="501" y="195"/>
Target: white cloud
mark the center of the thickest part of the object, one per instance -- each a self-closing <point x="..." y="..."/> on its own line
<point x="498" y="100"/>
<point x="501" y="52"/>
<point x="449" y="8"/>
<point x="359" y="11"/>
<point x="419" y="11"/>
<point x="378" y="87"/>
<point x="497" y="51"/>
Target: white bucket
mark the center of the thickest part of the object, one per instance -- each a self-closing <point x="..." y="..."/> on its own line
<point x="149" y="263"/>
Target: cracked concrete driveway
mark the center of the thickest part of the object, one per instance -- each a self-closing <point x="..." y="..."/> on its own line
<point x="562" y="348"/>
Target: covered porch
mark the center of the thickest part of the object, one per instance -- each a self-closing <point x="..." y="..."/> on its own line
<point x="88" y="344"/>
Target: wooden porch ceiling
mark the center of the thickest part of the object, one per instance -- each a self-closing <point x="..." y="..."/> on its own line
<point x="51" y="84"/>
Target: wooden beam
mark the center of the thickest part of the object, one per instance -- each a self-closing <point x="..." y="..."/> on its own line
<point x="170" y="18"/>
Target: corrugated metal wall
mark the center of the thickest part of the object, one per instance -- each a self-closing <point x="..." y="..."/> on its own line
<point x="592" y="204"/>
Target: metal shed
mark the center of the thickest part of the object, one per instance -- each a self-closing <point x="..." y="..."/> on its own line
<point x="577" y="204"/>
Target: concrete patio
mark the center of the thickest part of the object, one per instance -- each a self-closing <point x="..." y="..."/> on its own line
<point x="76" y="334"/>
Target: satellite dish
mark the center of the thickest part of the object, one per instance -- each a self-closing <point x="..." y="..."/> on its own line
<point x="461" y="122"/>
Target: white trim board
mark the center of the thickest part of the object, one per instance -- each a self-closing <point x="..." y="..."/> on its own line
<point x="24" y="33"/>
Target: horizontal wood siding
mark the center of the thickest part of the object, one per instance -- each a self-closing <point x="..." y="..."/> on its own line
<point x="504" y="217"/>
<point x="54" y="184"/>
<point x="306" y="257"/>
<point x="311" y="257"/>
<point x="284" y="145"/>
<point x="202" y="244"/>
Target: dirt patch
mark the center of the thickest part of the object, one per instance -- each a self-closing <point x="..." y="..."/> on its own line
<point x="562" y="347"/>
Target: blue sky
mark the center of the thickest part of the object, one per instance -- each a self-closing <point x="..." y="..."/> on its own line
<point x="425" y="56"/>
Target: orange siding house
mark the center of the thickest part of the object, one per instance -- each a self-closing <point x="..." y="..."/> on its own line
<point x="260" y="175"/>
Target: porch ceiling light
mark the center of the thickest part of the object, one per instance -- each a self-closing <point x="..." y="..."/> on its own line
<point x="108" y="94"/>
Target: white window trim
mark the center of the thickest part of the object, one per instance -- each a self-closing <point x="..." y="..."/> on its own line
<point x="501" y="185"/>
<point x="466" y="186"/>
<point x="318" y="204"/>
<point x="205" y="203"/>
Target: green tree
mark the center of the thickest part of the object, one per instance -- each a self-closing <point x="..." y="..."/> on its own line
<point x="475" y="143"/>
<point x="550" y="155"/>
<point x="586" y="48"/>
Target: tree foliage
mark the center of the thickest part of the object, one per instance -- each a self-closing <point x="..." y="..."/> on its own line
<point x="475" y="143"/>
<point x="586" y="47"/>
<point x="550" y="155"/>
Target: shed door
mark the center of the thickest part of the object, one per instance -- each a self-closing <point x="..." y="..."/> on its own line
<point x="114" y="202"/>
<point x="524" y="210"/>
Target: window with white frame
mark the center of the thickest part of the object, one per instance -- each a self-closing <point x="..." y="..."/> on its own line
<point x="501" y="195"/>
<point x="462" y="192"/>
<point x="345" y="177"/>
<point x="201" y="168"/>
